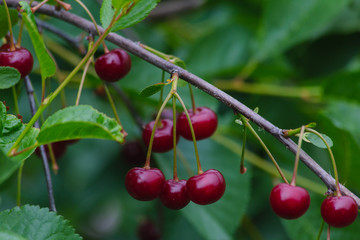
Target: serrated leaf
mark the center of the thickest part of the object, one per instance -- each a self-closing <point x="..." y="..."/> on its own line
<point x="8" y="235"/>
<point x="118" y="4"/>
<point x="4" y="22"/>
<point x="8" y="77"/>
<point x="287" y="22"/>
<point x="138" y="13"/>
<point x="317" y="141"/>
<point x="151" y="90"/>
<point x="106" y="13"/>
<point x="47" y="65"/>
<point x="35" y="223"/>
<point x="79" y="122"/>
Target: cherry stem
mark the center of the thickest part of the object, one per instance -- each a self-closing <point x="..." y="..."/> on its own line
<point x="321" y="229"/>
<point x="242" y="167"/>
<point x="297" y="156"/>
<point x="148" y="156"/>
<point x="200" y="171"/>
<point x="176" y="178"/>
<point x="162" y="89"/>
<point x="82" y="81"/>
<point x="54" y="164"/>
<point x="12" y="46"/>
<point x="337" y="185"/>
<point x="246" y="123"/>
<point x="16" y="105"/>
<point x="293" y="132"/>
<point x="192" y="98"/>
<point x="34" y="9"/>
<point x="19" y="176"/>
<point x="64" y="5"/>
<point x="328" y="233"/>
<point x="112" y="104"/>
<point x="18" y="42"/>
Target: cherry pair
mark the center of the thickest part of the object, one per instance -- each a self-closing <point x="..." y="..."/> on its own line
<point x="291" y="202"/>
<point x="204" y="122"/>
<point x="147" y="184"/>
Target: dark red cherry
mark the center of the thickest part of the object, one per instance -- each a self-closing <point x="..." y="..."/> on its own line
<point x="206" y="188"/>
<point x="174" y="194"/>
<point x="148" y="230"/>
<point x="113" y="65"/>
<point x="144" y="184"/>
<point x="163" y="138"/>
<point x="204" y="122"/>
<point x="134" y="153"/>
<point x="339" y="211"/>
<point x="289" y="201"/>
<point x="20" y="58"/>
<point x="59" y="148"/>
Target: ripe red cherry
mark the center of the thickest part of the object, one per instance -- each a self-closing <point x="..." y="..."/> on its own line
<point x="174" y="194"/>
<point x="144" y="184"/>
<point x="59" y="148"/>
<point x="339" y="211"/>
<point x="163" y="138"/>
<point x="206" y="188"/>
<point x="204" y="122"/>
<point x="20" y="58"/>
<point x="289" y="201"/>
<point x="113" y="65"/>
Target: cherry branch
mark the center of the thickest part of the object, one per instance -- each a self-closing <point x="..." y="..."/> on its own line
<point x="228" y="100"/>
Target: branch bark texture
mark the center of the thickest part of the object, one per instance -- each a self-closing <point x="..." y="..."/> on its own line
<point x="203" y="85"/>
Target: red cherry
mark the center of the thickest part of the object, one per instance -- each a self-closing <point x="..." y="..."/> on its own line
<point x="206" y="188"/>
<point x="113" y="65"/>
<point x="204" y="122"/>
<point x="163" y="138"/>
<point x="148" y="230"/>
<point x="289" y="201"/>
<point x="339" y="211"/>
<point x="59" y="148"/>
<point x="20" y="58"/>
<point x="144" y="184"/>
<point x="174" y="194"/>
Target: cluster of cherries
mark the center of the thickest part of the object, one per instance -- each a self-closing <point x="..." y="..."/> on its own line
<point x="147" y="183"/>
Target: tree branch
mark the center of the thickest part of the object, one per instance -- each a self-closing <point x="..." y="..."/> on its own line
<point x="231" y="102"/>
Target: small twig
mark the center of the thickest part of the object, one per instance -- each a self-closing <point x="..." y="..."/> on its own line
<point x="30" y="93"/>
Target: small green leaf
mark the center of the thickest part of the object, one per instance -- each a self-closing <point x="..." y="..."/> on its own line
<point x="12" y="123"/>
<point x="317" y="141"/>
<point x="4" y="22"/>
<point x="151" y="90"/>
<point x="2" y="117"/>
<point x="9" y="77"/>
<point x="35" y="223"/>
<point x="47" y="65"/>
<point x="79" y="122"/>
<point x="139" y="12"/>
<point x="8" y="235"/>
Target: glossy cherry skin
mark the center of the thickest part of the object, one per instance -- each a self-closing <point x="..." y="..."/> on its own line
<point x="204" y="122"/>
<point x="59" y="149"/>
<point x="174" y="194"/>
<point x="339" y="211"/>
<point x="144" y="184"/>
<point x="206" y="188"/>
<point x="20" y="58"/>
<point x="113" y="65"/>
<point x="163" y="138"/>
<point x="289" y="201"/>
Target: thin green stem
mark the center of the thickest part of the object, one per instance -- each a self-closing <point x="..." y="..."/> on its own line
<point x="192" y="133"/>
<point x="82" y="81"/>
<point x="54" y="164"/>
<point x="242" y="160"/>
<point x="328" y="233"/>
<point x="321" y="229"/>
<point x="246" y="123"/>
<point x="12" y="46"/>
<point x="338" y="192"/>
<point x="148" y="156"/>
<point x="162" y="89"/>
<point x="52" y="96"/>
<point x="192" y="98"/>
<point x="18" y="42"/>
<point x="111" y="101"/>
<point x="19" y="176"/>
<point x="16" y="105"/>
<point x="176" y="178"/>
<point x="293" y="132"/>
<point x="297" y="156"/>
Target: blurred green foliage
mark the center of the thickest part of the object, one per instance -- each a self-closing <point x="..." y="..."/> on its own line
<point x="300" y="45"/>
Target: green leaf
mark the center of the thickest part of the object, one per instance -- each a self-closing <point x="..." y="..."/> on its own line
<point x="151" y="90"/>
<point x="8" y="235"/>
<point x="118" y="4"/>
<point x="79" y="122"/>
<point x="4" y="22"/>
<point x="2" y="117"/>
<point x="47" y="65"/>
<point x="106" y="13"/>
<point x="35" y="223"/>
<point x="221" y="219"/>
<point x="139" y="12"/>
<point x="287" y="22"/>
<point x="317" y="141"/>
<point x="9" y="77"/>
